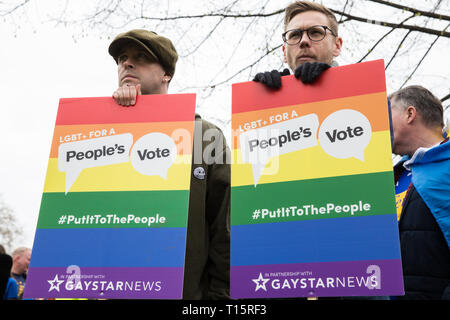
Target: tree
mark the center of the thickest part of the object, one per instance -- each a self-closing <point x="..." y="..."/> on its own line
<point x="222" y="42"/>
<point x="10" y="230"/>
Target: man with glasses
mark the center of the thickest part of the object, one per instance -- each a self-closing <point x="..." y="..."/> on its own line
<point x="311" y="43"/>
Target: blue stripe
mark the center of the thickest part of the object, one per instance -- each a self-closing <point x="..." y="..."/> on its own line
<point x="158" y="247"/>
<point x="325" y="240"/>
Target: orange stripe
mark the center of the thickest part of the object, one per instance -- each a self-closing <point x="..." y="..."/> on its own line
<point x="69" y="133"/>
<point x="337" y="82"/>
<point x="371" y="105"/>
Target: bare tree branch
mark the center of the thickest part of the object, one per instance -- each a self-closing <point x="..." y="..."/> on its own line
<point x="193" y="29"/>
<point x="442" y="33"/>
<point x="343" y="10"/>
<point x="269" y="51"/>
<point x="204" y="39"/>
<point x="423" y="57"/>
<point x="381" y="39"/>
<point x="10" y="229"/>
<point x="216" y="14"/>
<point x="247" y="28"/>
<point x="398" y="49"/>
<point x="8" y="12"/>
<point x="413" y="10"/>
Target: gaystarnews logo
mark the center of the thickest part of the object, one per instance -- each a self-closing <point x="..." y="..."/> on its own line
<point x="74" y="281"/>
<point x="371" y="279"/>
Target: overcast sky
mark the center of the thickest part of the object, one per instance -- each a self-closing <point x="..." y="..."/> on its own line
<point x="37" y="70"/>
<point x="42" y="64"/>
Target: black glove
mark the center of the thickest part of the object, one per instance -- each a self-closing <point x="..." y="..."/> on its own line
<point x="309" y="72"/>
<point x="271" y="79"/>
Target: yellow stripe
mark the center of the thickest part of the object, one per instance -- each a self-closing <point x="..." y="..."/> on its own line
<point x="314" y="163"/>
<point x="399" y="203"/>
<point x="120" y="177"/>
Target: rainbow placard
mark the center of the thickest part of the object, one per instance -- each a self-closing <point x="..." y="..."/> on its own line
<point x="113" y="216"/>
<point x="312" y="201"/>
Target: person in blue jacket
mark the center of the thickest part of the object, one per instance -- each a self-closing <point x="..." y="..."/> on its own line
<point x="422" y="179"/>
<point x="8" y="286"/>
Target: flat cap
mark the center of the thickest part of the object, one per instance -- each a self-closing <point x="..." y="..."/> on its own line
<point x="159" y="47"/>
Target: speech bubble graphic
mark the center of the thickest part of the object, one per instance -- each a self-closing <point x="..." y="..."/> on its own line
<point x="260" y="145"/>
<point x="153" y="154"/>
<point x="345" y="134"/>
<point x="73" y="157"/>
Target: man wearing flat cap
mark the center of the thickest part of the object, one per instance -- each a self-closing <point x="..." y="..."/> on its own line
<point x="146" y="64"/>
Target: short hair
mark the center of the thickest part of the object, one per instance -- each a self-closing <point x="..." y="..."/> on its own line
<point x="427" y="105"/>
<point x="20" y="251"/>
<point x="302" y="6"/>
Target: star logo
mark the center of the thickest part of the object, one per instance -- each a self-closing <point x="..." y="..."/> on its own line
<point x="260" y="283"/>
<point x="55" y="283"/>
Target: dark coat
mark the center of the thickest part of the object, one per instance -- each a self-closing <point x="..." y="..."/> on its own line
<point x="425" y="254"/>
<point x="207" y="263"/>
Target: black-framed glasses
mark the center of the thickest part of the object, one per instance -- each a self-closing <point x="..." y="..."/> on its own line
<point x="315" y="33"/>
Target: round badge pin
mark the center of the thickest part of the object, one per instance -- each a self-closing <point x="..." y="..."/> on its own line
<point x="199" y="173"/>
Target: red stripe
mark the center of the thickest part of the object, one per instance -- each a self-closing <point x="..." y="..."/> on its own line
<point x="337" y="82"/>
<point x="148" y="108"/>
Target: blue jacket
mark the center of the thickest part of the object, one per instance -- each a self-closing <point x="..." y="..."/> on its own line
<point x="10" y="290"/>
<point x="424" y="224"/>
<point x="431" y="177"/>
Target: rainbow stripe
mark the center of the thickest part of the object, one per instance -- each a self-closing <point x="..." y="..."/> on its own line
<point x="125" y="231"/>
<point x="315" y="216"/>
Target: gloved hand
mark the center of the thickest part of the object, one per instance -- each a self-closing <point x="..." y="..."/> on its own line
<point x="309" y="72"/>
<point x="271" y="79"/>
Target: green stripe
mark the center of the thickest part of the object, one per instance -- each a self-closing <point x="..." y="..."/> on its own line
<point x="113" y="209"/>
<point x="373" y="194"/>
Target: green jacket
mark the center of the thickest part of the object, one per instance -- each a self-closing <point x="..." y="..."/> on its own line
<point x="207" y="262"/>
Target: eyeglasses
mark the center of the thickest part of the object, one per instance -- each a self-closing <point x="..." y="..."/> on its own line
<point x="315" y="33"/>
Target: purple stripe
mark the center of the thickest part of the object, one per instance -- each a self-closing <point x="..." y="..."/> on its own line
<point x="105" y="283"/>
<point x="326" y="279"/>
